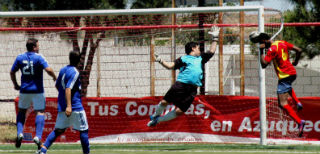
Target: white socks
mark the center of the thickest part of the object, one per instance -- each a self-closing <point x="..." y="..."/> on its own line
<point x="159" y="110"/>
<point x="169" y="116"/>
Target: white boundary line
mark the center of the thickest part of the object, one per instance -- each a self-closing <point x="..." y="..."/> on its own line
<point x="181" y="151"/>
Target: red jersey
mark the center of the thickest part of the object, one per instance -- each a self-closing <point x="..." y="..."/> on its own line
<point x="278" y="52"/>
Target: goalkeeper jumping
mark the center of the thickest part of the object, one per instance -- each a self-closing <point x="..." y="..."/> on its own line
<point x="184" y="90"/>
<point x="277" y="51"/>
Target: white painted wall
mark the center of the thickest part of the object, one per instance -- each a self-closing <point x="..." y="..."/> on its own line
<point x="125" y="71"/>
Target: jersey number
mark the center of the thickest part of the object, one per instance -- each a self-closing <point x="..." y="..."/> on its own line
<point x="28" y="69"/>
<point x="284" y="55"/>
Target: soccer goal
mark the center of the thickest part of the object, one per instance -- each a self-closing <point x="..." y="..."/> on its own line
<point x="279" y="125"/>
<point x="117" y="48"/>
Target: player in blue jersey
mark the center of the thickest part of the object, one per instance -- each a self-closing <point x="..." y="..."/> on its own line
<point x="31" y="64"/>
<point x="184" y="90"/>
<point x="70" y="109"/>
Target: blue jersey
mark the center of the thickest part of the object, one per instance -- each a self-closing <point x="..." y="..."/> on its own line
<point x="191" y="71"/>
<point x="31" y="65"/>
<point x="69" y="78"/>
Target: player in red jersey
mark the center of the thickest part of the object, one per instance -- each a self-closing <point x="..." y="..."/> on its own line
<point x="277" y="52"/>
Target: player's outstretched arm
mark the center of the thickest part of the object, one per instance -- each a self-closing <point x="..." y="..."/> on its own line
<point x="51" y="73"/>
<point x="14" y="80"/>
<point x="214" y="32"/>
<point x="298" y="55"/>
<point x="167" y="65"/>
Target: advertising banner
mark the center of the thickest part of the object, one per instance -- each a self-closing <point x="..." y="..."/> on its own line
<point x="225" y="119"/>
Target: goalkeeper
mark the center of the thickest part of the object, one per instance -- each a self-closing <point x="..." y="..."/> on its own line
<point x="277" y="51"/>
<point x="184" y="90"/>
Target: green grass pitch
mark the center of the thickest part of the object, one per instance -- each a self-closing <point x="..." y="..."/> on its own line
<point x="158" y="148"/>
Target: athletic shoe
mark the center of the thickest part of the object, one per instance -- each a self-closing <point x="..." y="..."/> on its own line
<point x="301" y="126"/>
<point x="153" y="117"/>
<point x="42" y="151"/>
<point x="19" y="140"/>
<point x="37" y="141"/>
<point x="299" y="106"/>
<point x="153" y="121"/>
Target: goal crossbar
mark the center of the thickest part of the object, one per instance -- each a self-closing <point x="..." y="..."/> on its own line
<point x="128" y="11"/>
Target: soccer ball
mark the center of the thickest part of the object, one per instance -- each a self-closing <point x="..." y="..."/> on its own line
<point x="257" y="37"/>
<point x="254" y="37"/>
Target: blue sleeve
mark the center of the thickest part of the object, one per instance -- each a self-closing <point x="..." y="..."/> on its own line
<point x="15" y="66"/>
<point x="58" y="81"/>
<point x="71" y="78"/>
<point x="43" y="62"/>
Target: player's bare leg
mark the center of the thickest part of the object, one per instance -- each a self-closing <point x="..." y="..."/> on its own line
<point x="283" y="98"/>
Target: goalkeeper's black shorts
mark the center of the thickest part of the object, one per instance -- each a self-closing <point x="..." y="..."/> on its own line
<point x="181" y="95"/>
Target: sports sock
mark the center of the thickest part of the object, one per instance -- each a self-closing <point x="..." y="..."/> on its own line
<point x="51" y="138"/>
<point x="39" y="125"/>
<point x="21" y="117"/>
<point x="294" y="96"/>
<point x="159" y="109"/>
<point x="169" y="116"/>
<point x="85" y="142"/>
<point x="292" y="113"/>
<point x="44" y="150"/>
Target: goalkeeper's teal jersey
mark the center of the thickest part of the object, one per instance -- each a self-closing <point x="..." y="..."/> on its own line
<point x="191" y="71"/>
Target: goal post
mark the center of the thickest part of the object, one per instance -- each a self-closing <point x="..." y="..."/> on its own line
<point x="262" y="89"/>
<point x="97" y="31"/>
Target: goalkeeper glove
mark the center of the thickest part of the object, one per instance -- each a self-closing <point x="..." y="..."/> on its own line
<point x="157" y="58"/>
<point x="215" y="33"/>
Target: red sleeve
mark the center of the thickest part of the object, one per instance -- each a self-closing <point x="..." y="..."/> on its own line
<point x="271" y="54"/>
<point x="289" y="45"/>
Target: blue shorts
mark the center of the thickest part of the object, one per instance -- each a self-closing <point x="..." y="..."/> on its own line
<point x="285" y="85"/>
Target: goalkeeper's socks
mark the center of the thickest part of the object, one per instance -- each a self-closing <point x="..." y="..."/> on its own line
<point x="169" y="116"/>
<point x="292" y="113"/>
<point x="39" y="125"/>
<point x="84" y="138"/>
<point x="21" y="117"/>
<point x="159" y="110"/>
